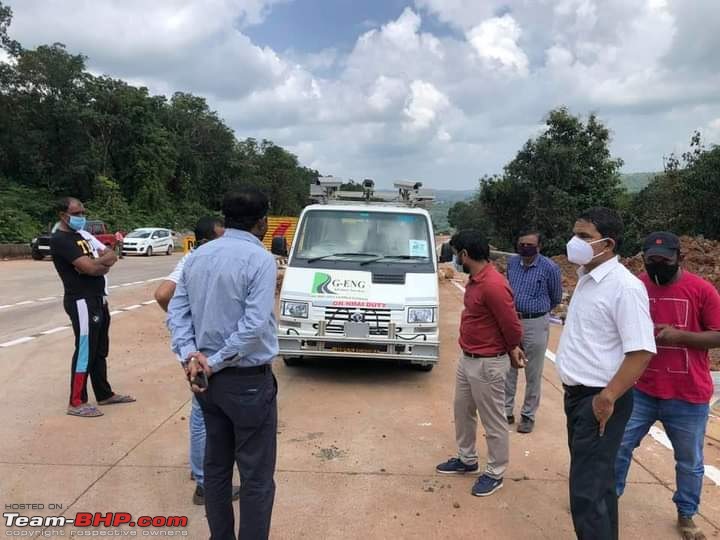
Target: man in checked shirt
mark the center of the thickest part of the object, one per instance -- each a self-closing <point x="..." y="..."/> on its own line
<point x="537" y="287"/>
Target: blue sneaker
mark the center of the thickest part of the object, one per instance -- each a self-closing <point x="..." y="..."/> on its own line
<point x="486" y="486"/>
<point x="455" y="466"/>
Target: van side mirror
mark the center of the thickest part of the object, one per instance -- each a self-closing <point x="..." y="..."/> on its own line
<point x="446" y="253"/>
<point x="279" y="246"/>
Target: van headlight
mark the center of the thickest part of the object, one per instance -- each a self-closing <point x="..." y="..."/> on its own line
<point x="295" y="309"/>
<point x="421" y="315"/>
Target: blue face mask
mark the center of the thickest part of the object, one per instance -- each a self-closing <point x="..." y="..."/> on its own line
<point x="76" y="223"/>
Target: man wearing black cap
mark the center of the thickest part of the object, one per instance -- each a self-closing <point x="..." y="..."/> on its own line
<point x="676" y="386"/>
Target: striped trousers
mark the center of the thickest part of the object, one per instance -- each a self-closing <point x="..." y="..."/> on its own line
<point x="91" y="324"/>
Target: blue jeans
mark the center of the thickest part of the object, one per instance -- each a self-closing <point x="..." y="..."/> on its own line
<point x="197" y="442"/>
<point x="684" y="423"/>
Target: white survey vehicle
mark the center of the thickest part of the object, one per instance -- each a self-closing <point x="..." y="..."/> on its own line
<point x="361" y="280"/>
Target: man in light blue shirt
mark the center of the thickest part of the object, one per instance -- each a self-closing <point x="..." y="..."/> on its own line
<point x="222" y="323"/>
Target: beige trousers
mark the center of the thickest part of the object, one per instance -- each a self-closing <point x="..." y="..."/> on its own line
<point x="480" y="390"/>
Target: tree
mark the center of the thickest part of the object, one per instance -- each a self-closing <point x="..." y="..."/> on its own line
<point x="684" y="198"/>
<point x="135" y="158"/>
<point x="554" y="177"/>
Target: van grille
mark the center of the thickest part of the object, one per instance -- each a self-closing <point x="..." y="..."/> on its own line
<point x="378" y="319"/>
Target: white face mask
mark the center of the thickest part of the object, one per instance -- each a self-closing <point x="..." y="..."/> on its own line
<point x="581" y="252"/>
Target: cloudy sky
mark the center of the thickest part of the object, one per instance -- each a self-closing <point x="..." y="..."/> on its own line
<point x="442" y="91"/>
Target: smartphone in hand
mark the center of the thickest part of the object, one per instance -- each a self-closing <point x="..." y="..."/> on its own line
<point x="200" y="380"/>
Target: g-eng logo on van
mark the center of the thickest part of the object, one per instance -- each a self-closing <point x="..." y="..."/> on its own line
<point x="328" y="285"/>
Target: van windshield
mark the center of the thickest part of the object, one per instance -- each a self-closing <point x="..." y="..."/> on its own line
<point x="358" y="235"/>
<point x="139" y="234"/>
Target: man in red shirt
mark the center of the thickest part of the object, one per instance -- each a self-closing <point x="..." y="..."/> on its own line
<point x="676" y="387"/>
<point x="490" y="335"/>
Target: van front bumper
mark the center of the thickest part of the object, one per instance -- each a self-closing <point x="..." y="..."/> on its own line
<point x="416" y="349"/>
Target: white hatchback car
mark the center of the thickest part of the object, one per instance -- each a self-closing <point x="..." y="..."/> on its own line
<point x="148" y="241"/>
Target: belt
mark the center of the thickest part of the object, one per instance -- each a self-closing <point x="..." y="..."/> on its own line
<point x="580" y="390"/>
<point x="245" y="371"/>
<point x="473" y="355"/>
<point x="531" y="315"/>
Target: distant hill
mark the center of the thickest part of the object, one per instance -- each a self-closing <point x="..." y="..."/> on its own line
<point x="453" y="196"/>
<point x="635" y="182"/>
<point x="446" y="198"/>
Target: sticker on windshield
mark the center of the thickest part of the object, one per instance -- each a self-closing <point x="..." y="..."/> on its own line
<point x="418" y="248"/>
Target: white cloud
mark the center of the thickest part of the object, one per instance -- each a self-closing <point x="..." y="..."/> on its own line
<point x="711" y="132"/>
<point x="495" y="41"/>
<point x="424" y="105"/>
<point x="185" y="43"/>
<point x="386" y="92"/>
<point x="403" y="102"/>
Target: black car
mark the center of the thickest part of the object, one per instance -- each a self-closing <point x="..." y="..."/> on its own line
<point x="40" y="245"/>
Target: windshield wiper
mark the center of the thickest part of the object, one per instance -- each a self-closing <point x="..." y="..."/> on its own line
<point x="315" y="259"/>
<point x="403" y="257"/>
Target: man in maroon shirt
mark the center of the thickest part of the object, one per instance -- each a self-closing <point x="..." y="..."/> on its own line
<point x="490" y="335"/>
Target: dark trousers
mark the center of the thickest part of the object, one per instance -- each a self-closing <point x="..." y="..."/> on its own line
<point x="593" y="500"/>
<point x="240" y="413"/>
<point x="90" y="319"/>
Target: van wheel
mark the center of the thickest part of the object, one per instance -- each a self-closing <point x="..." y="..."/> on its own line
<point x="423" y="367"/>
<point x="149" y="252"/>
<point x="36" y="255"/>
<point x="292" y="361"/>
<point x="169" y="250"/>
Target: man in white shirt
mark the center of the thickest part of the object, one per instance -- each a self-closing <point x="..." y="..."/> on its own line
<point x="607" y="343"/>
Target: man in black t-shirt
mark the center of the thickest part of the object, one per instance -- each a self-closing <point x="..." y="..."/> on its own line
<point x="82" y="269"/>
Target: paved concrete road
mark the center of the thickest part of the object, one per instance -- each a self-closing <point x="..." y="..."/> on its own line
<point x="358" y="443"/>
<point x="31" y="292"/>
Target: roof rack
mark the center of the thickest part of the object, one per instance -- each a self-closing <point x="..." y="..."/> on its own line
<point x="326" y="190"/>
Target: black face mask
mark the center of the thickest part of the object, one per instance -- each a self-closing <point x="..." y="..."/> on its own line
<point x="661" y="273"/>
<point x="527" y="251"/>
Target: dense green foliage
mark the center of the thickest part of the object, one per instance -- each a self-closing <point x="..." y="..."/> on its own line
<point x="553" y="177"/>
<point x="135" y="159"/>
<point x="569" y="168"/>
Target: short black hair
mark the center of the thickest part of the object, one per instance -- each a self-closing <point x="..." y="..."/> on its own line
<point x="608" y="223"/>
<point x="205" y="229"/>
<point x="63" y="203"/>
<point x="530" y="231"/>
<point x="472" y="241"/>
<point x="243" y="209"/>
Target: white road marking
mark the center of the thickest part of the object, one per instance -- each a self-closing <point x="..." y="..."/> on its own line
<point x="113" y="313"/>
<point x="48" y="298"/>
<point x="712" y="472"/>
<point x="54" y="330"/>
<point x="130" y="308"/>
<point x="147" y="303"/>
<point x="17" y="341"/>
<point x="458" y="285"/>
